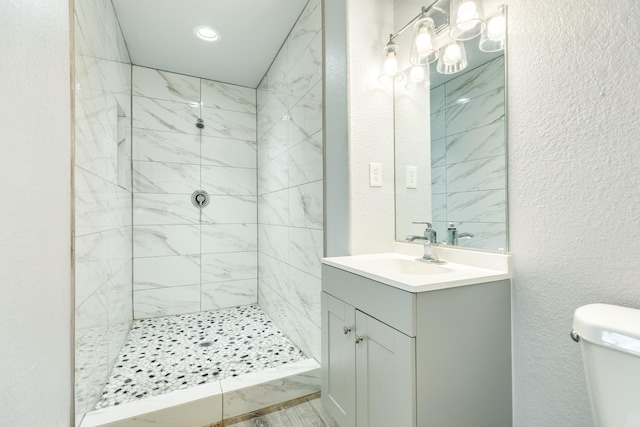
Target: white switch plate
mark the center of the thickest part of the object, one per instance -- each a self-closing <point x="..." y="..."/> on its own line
<point x="375" y="175"/>
<point x="412" y="177"/>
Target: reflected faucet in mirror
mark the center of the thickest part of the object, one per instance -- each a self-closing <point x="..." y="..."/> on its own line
<point x="429" y="239"/>
<point x="453" y="235"/>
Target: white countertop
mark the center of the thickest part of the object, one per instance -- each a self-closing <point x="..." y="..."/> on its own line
<point x="462" y="268"/>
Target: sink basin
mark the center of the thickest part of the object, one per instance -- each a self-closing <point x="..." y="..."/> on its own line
<point x="404" y="272"/>
<point x="404" y="266"/>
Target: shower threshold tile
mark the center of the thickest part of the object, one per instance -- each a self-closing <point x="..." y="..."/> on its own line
<point x="177" y="352"/>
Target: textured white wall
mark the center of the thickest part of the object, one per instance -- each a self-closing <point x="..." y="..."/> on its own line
<point x="574" y="189"/>
<point x="370" y="123"/>
<point x="35" y="217"/>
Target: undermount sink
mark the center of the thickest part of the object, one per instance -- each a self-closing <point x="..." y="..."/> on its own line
<point x="404" y="266"/>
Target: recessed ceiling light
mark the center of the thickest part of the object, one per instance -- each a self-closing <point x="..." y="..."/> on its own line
<point x="206" y="33"/>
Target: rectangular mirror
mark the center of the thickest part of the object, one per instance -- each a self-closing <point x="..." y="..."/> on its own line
<point x="451" y="148"/>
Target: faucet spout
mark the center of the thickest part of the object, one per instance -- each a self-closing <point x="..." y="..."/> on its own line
<point x="429" y="239"/>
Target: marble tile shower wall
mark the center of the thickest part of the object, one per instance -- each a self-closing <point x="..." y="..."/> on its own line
<point x="468" y="157"/>
<point x="186" y="259"/>
<point x="103" y="209"/>
<point x="290" y="183"/>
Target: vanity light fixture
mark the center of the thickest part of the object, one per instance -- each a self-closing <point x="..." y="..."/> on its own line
<point x="462" y="20"/>
<point x="206" y="33"/>
<point x="493" y="36"/>
<point x="390" y="68"/>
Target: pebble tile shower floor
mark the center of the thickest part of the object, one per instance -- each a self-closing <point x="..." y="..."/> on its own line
<point x="176" y="352"/>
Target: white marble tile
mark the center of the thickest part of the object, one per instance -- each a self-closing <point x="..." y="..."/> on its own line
<point x="92" y="266"/>
<point x="486" y="141"/>
<point x="161" y="115"/>
<point x="165" y="178"/>
<point x="231" y="210"/>
<point x="92" y="313"/>
<point x="477" y="206"/>
<point x="193" y="407"/>
<point x="228" y="152"/>
<point x="93" y="106"/>
<point x="122" y="280"/>
<point x="273" y="273"/>
<point x="306" y="161"/>
<point x="90" y="34"/>
<point x="221" y="238"/>
<point x="165" y="271"/>
<point x="305" y="30"/>
<point x="273" y="208"/>
<point x="481" y="111"/>
<point x="164" y="209"/>
<point x="306" y="115"/>
<point x="229" y="294"/>
<point x="438" y="207"/>
<point x="439" y="180"/>
<point x="278" y="71"/>
<point x="166" y="301"/>
<point x="437" y="99"/>
<point x="119" y="247"/>
<point x="438" y="152"/>
<point x="92" y="141"/>
<point x="306" y="208"/>
<point x="171" y="147"/>
<point x="438" y="124"/>
<point x="274" y="175"/>
<point x="305" y="249"/>
<point x="229" y="266"/>
<point x="273" y="240"/>
<point x="261" y="94"/>
<point x="306" y="72"/>
<point x="257" y="390"/>
<point x="228" y="97"/>
<point x="304" y="293"/>
<point x="229" y="124"/>
<point x="302" y="331"/>
<point x="483" y="174"/>
<point x="165" y="240"/>
<point x="483" y="79"/>
<point x="152" y="83"/>
<point x="88" y="73"/>
<point x="274" y="142"/>
<point x="218" y="180"/>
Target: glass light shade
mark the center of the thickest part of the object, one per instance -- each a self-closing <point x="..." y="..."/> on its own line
<point x="423" y="50"/>
<point x="453" y="58"/>
<point x="467" y="19"/>
<point x="390" y="68"/>
<point x="494" y="35"/>
<point x="418" y="77"/>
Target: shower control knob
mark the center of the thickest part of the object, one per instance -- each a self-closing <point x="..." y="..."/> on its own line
<point x="200" y="198"/>
<point x="346" y="329"/>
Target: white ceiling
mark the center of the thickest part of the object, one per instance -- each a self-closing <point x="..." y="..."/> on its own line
<point x="159" y="34"/>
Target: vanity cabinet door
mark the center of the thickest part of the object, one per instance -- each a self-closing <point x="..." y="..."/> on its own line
<point x="338" y="360"/>
<point x="385" y="375"/>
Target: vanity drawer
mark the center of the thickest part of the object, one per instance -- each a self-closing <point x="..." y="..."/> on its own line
<point x="395" y="307"/>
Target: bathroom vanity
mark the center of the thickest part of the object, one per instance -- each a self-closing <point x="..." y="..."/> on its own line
<point x="406" y="343"/>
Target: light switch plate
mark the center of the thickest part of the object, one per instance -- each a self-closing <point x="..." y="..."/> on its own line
<point x="375" y="175"/>
<point x="412" y="177"/>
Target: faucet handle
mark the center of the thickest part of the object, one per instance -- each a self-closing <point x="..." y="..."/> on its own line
<point x="423" y="222"/>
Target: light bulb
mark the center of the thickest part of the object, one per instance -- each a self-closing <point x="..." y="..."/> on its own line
<point x="391" y="64"/>
<point x="416" y="74"/>
<point x="466" y="11"/>
<point x="452" y="53"/>
<point x="423" y="41"/>
<point x="495" y="27"/>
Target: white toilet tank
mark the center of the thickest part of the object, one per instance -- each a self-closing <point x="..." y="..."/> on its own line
<point x="609" y="337"/>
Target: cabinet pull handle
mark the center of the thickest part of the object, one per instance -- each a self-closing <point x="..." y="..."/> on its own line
<point x="346" y="329"/>
<point x="359" y="339"/>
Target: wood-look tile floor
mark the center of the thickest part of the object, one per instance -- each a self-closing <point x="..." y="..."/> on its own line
<point x="304" y="412"/>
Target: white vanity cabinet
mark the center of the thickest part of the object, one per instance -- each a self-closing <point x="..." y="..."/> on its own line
<point x="395" y="358"/>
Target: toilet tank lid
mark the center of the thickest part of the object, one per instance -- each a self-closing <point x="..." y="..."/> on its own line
<point x="609" y="325"/>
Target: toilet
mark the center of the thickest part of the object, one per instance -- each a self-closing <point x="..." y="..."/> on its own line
<point x="609" y="338"/>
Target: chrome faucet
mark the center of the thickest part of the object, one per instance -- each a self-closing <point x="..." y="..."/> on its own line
<point x="428" y="240"/>
<point x="453" y="236"/>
